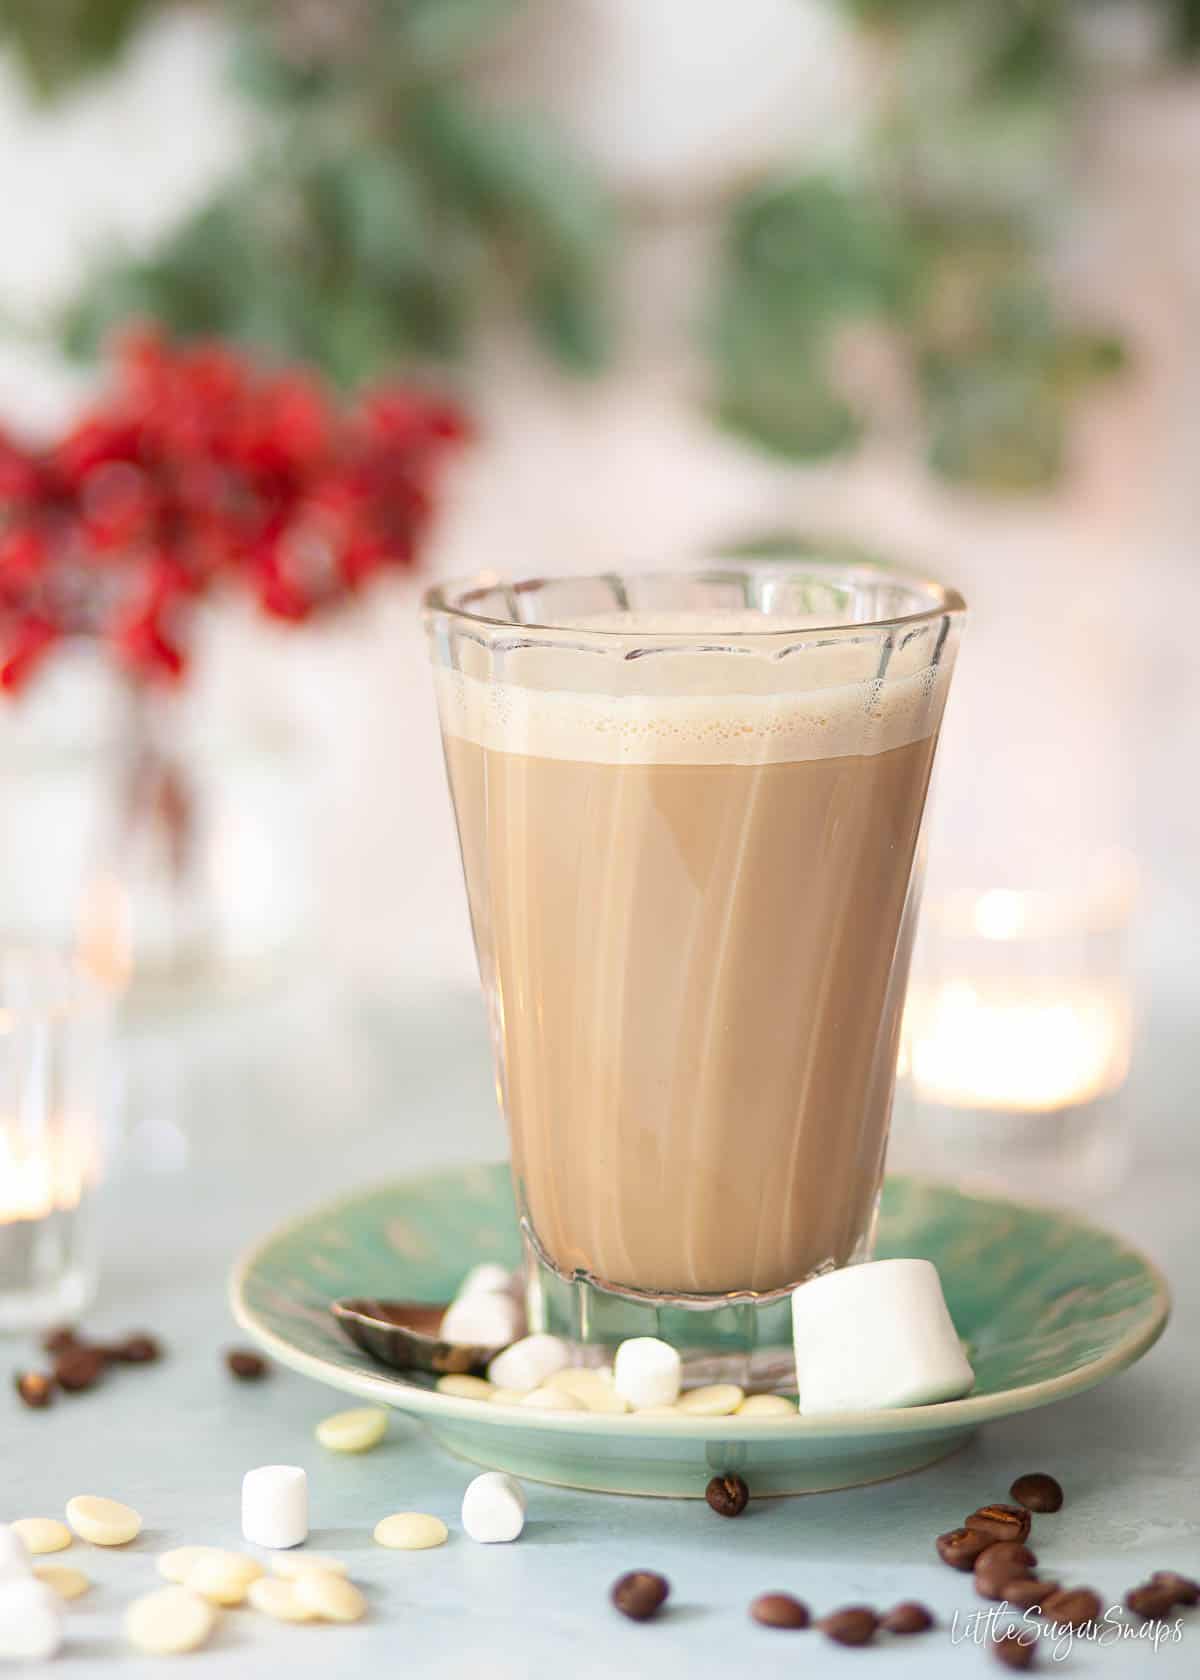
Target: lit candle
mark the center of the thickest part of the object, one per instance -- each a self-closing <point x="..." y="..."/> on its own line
<point x="39" y="1176"/>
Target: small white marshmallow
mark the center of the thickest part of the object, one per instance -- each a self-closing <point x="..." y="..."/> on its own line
<point x="527" y="1363"/>
<point x="275" y="1506"/>
<point x="14" y="1556"/>
<point x="493" y="1508"/>
<point x="482" y="1320"/>
<point x="31" y="1620"/>
<point x="647" y="1372"/>
<point x="485" y="1279"/>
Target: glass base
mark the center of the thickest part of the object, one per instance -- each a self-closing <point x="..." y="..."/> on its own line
<point x="47" y="1271"/>
<point x="1055" y="1157"/>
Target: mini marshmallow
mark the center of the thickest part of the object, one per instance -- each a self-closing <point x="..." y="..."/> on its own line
<point x="493" y="1508"/>
<point x="875" y="1336"/>
<point x="14" y="1556"/>
<point x="275" y="1506"/>
<point x="527" y="1363"/>
<point x="485" y="1279"/>
<point x="31" y="1620"/>
<point x="647" y="1372"/>
<point x="483" y="1319"/>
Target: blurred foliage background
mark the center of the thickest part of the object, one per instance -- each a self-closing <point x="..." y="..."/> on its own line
<point x="389" y="208"/>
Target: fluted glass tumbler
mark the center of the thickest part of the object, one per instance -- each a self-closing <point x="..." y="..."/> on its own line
<point x="689" y="807"/>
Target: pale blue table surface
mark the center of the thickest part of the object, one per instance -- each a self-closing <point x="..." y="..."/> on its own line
<point x="287" y="1105"/>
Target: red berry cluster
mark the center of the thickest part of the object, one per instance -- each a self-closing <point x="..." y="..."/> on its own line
<point x="198" y="471"/>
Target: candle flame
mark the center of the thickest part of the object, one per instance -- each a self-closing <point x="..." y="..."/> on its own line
<point x="39" y="1177"/>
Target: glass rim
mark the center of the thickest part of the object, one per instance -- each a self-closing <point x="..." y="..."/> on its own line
<point x="451" y="599"/>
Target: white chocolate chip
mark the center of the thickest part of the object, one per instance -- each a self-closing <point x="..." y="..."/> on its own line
<point x="493" y="1508"/>
<point x="103" y="1522"/>
<point x="14" y="1555"/>
<point x="481" y="1320"/>
<point x="716" y="1400"/>
<point x="506" y="1396"/>
<point x="593" y="1389"/>
<point x="658" y="1411"/>
<point x="466" y="1388"/>
<point x="177" y="1564"/>
<point x="767" y="1405"/>
<point x="169" y="1621"/>
<point x="527" y="1363"/>
<point x="331" y="1597"/>
<point x="647" y="1372"/>
<point x="290" y="1564"/>
<point x="551" y="1400"/>
<point x="411" y="1531"/>
<point x="354" y="1431"/>
<point x="275" y="1506"/>
<point x="42" y="1534"/>
<point x="223" y="1577"/>
<point x="31" y="1620"/>
<point x="278" y="1599"/>
<point x="67" y="1583"/>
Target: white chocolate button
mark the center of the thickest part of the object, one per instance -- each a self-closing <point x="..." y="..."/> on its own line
<point x="488" y="1278"/>
<point x="658" y="1411"/>
<point x="647" y="1372"/>
<point x="331" y="1597"/>
<point x="177" y="1564"/>
<point x="14" y="1555"/>
<point x="103" y="1522"/>
<point x="31" y="1620"/>
<point x="290" y="1564"/>
<point x="481" y="1320"/>
<point x="717" y="1400"/>
<point x="355" y="1431"/>
<point x="42" y="1534"/>
<point x="67" y="1583"/>
<point x="506" y="1396"/>
<point x="411" y="1531"/>
<point x="169" y="1621"/>
<point x="593" y="1389"/>
<point x="551" y="1400"/>
<point x="466" y="1388"/>
<point x="223" y="1577"/>
<point x="527" y="1363"/>
<point x="767" y="1405"/>
<point x="493" y="1508"/>
<point x="275" y="1506"/>
<point x="278" y="1599"/>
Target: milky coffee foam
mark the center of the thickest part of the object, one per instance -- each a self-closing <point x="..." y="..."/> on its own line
<point x="794" y="698"/>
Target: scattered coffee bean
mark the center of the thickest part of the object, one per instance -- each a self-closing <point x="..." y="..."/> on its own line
<point x="1037" y="1492"/>
<point x="138" y="1349"/>
<point x="35" y="1388"/>
<point x="640" y="1594"/>
<point x="1014" y="1650"/>
<point x="959" y="1547"/>
<point x="1002" y="1522"/>
<point x="79" y="1368"/>
<point x="60" y="1339"/>
<point x="1005" y="1561"/>
<point x="246" y="1366"/>
<point x="1072" y="1607"/>
<point x="779" y="1610"/>
<point x="1029" y="1594"/>
<point x="1152" y="1602"/>
<point x="854" y="1625"/>
<point x="907" y="1618"/>
<point x="1184" y="1589"/>
<point x="728" y="1496"/>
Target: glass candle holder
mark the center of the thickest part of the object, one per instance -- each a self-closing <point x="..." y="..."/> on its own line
<point x="1017" y="1038"/>
<point x="54" y="1032"/>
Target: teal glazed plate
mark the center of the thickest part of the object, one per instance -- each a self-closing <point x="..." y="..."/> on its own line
<point x="1048" y="1304"/>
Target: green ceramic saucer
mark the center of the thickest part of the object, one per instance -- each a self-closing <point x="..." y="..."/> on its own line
<point x="1050" y="1306"/>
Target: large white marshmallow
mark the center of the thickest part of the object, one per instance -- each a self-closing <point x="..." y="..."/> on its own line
<point x="14" y="1556"/>
<point x="875" y="1336"/>
<point x="647" y="1372"/>
<point x="483" y="1319"/>
<point x="31" y="1620"/>
<point x="527" y="1363"/>
<point x="275" y="1506"/>
<point x="493" y="1508"/>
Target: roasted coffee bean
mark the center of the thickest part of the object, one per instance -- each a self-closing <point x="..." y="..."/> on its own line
<point x="959" y="1547"/>
<point x="640" y="1594"/>
<point x="79" y="1368"/>
<point x="1072" y="1607"/>
<point x="1185" y="1590"/>
<point x="1151" y="1602"/>
<point x="1014" y="1650"/>
<point x="1029" y="1594"/>
<point x="1037" y="1492"/>
<point x="779" y="1610"/>
<point x="35" y="1388"/>
<point x="138" y="1349"/>
<point x="1004" y="1561"/>
<point x="854" y="1625"/>
<point x="1002" y="1522"/>
<point x="907" y="1618"/>
<point x="60" y="1340"/>
<point x="246" y="1366"/>
<point x="728" y="1496"/>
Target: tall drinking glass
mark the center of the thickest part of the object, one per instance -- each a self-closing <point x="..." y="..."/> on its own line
<point x="689" y="807"/>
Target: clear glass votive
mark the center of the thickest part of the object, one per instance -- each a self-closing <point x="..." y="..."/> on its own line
<point x="54" y="1038"/>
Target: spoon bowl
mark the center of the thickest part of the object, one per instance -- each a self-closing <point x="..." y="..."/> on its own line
<point x="405" y="1335"/>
